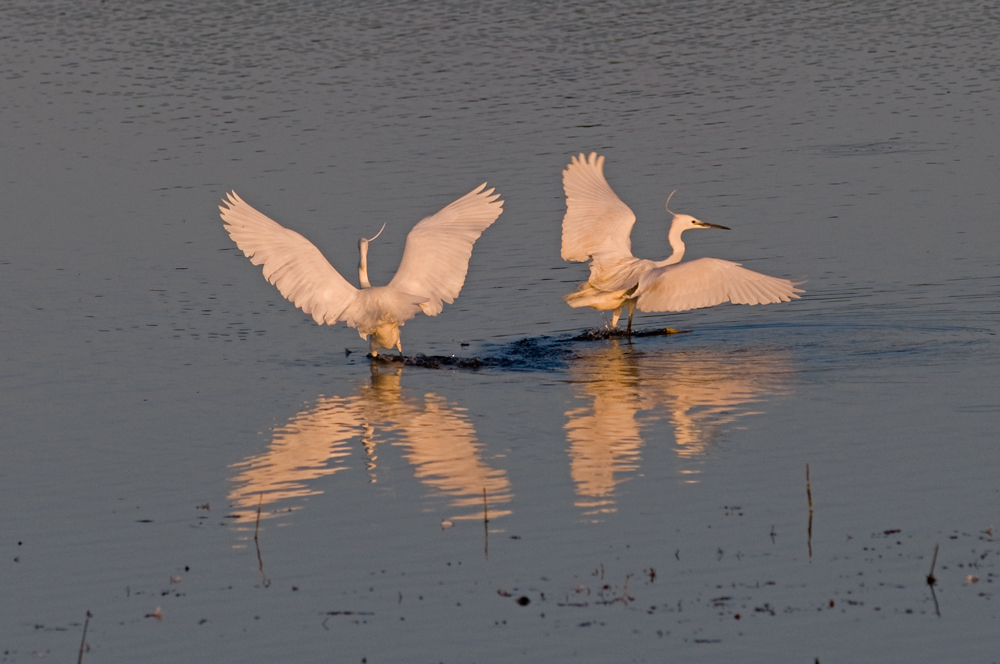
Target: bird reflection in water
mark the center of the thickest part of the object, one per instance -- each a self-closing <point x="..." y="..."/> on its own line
<point x="702" y="393"/>
<point x="436" y="438"/>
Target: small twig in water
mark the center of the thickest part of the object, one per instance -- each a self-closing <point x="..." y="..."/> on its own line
<point x="930" y="577"/>
<point x="808" y="489"/>
<point x="486" y="527"/>
<point x="256" y="528"/>
<point x="83" y="641"/>
<point x="260" y="561"/>
<point x="931" y="580"/>
<point x="809" y="495"/>
<point x="624" y="597"/>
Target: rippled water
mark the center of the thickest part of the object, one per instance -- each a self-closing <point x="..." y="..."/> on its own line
<point x="212" y="476"/>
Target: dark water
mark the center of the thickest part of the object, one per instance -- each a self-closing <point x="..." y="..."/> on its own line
<point x="642" y="501"/>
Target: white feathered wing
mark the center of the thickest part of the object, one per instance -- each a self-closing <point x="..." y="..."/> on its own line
<point x="597" y="223"/>
<point x="438" y="248"/>
<point x="706" y="282"/>
<point x="435" y="262"/>
<point x="291" y="262"/>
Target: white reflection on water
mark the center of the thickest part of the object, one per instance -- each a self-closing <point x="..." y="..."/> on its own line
<point x="435" y="435"/>
<point x="701" y="392"/>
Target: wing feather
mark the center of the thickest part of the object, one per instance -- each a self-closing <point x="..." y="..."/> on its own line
<point x="597" y="222"/>
<point x="436" y="257"/>
<point x="290" y="262"/>
<point x="706" y="282"/>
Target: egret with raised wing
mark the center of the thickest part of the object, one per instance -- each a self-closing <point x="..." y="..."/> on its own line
<point x="597" y="227"/>
<point x="431" y="273"/>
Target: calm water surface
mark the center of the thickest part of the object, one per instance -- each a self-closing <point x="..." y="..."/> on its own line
<point x="214" y="478"/>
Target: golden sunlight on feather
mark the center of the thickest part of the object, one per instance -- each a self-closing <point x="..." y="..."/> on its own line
<point x="597" y="227"/>
<point x="430" y="275"/>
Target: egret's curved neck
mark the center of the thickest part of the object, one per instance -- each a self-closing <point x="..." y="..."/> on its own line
<point x="676" y="244"/>
<point x="363" y="264"/>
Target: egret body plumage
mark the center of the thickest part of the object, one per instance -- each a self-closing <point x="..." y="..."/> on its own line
<point x="597" y="226"/>
<point x="431" y="273"/>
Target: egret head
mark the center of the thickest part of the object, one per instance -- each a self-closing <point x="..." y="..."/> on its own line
<point x="684" y="222"/>
<point x="363" y="242"/>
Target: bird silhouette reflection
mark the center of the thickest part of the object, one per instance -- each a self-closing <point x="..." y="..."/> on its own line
<point x="702" y="393"/>
<point x="435" y="436"/>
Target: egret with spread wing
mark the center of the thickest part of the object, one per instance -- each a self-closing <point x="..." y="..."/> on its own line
<point x="597" y="226"/>
<point x="432" y="272"/>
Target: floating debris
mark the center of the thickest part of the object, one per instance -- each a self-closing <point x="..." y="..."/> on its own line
<point x="530" y="354"/>
<point x="538" y="354"/>
<point x="601" y="333"/>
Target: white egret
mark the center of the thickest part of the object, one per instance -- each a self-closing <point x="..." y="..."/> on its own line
<point x="432" y="271"/>
<point x="597" y="226"/>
